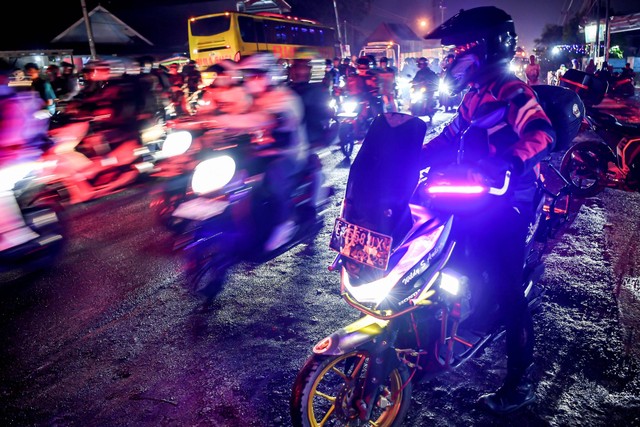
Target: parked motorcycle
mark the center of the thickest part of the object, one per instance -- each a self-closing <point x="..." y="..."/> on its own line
<point x="612" y="160"/>
<point x="354" y="118"/>
<point x="403" y="266"/>
<point x="228" y="213"/>
<point x="84" y="164"/>
<point x="42" y="241"/>
<point x="622" y="86"/>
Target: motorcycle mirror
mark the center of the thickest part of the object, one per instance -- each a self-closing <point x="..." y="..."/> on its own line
<point x="489" y="114"/>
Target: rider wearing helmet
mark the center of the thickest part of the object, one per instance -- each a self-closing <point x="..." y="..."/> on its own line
<point x="484" y="41"/>
<point x="365" y="83"/>
<point x="261" y="73"/>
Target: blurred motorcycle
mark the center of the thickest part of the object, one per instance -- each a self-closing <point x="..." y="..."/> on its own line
<point x="189" y="141"/>
<point x="39" y="240"/>
<point x="84" y="164"/>
<point x="226" y="210"/>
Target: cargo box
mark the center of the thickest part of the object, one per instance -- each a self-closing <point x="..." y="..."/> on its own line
<point x="565" y="109"/>
<point x="590" y="88"/>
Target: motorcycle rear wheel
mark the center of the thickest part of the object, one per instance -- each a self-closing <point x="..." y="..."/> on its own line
<point x="206" y="272"/>
<point x="322" y="393"/>
<point x="587" y="178"/>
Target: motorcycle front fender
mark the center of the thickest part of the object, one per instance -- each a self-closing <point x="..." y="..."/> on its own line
<point x="351" y="337"/>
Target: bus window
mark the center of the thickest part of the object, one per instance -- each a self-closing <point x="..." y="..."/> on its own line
<point x="210" y="26"/>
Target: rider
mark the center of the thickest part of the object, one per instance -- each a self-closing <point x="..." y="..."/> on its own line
<point x="427" y="78"/>
<point x="315" y="97"/>
<point x="288" y="154"/>
<point x="485" y="41"/>
<point x="387" y="80"/>
<point x="364" y="83"/>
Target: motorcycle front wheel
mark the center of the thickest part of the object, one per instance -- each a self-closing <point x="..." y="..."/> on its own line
<point x="163" y="206"/>
<point x="585" y="167"/>
<point x="325" y="389"/>
<point x="347" y="138"/>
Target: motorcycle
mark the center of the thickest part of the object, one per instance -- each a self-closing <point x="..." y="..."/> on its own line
<point x="403" y="267"/>
<point x="354" y="118"/>
<point x="423" y="100"/>
<point x="86" y="162"/>
<point x="228" y="213"/>
<point x="43" y="239"/>
<point x="622" y="86"/>
<point x="612" y="160"/>
<point x="446" y="99"/>
<point x="189" y="141"/>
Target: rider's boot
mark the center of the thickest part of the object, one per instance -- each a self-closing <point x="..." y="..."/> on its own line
<point x="513" y="395"/>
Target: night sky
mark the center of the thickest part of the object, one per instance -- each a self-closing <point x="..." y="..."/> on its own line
<point x="160" y="16"/>
<point x="530" y="16"/>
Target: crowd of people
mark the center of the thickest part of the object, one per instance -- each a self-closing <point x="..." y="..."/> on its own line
<point x="604" y="72"/>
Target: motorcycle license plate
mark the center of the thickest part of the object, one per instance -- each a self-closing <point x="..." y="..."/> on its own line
<point x="201" y="209"/>
<point x="360" y="244"/>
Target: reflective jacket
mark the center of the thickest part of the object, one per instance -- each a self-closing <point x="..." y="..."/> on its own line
<point x="522" y="139"/>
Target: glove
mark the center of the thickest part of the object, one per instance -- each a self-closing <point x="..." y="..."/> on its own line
<point x="496" y="167"/>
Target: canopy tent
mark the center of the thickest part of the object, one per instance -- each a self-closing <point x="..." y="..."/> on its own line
<point x="106" y="28"/>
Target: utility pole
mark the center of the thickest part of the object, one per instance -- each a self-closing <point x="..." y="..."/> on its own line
<point x="335" y="9"/>
<point x="597" y="44"/>
<point x="607" y="33"/>
<point x="87" y="22"/>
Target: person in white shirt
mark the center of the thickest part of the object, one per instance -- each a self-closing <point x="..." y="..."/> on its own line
<point x="533" y="71"/>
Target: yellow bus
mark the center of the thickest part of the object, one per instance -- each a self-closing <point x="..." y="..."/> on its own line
<point x="233" y="35"/>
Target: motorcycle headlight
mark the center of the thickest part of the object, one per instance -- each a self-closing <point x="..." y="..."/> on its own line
<point x="443" y="87"/>
<point x="403" y="82"/>
<point x="416" y="96"/>
<point x="333" y="104"/>
<point x="176" y="143"/>
<point x="11" y="175"/>
<point x="449" y="283"/>
<point x="349" y="107"/>
<point x="213" y="174"/>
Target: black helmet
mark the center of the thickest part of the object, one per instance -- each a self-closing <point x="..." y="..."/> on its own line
<point x="364" y="60"/>
<point x="481" y="36"/>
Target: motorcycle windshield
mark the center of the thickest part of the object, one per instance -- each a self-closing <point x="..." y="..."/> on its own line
<point x="385" y="174"/>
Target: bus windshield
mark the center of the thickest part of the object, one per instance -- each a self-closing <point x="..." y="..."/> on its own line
<point x="210" y="26"/>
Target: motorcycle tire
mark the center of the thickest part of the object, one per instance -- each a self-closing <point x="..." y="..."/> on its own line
<point x="206" y="274"/>
<point x="163" y="207"/>
<point x="347" y="138"/>
<point x="45" y="206"/>
<point x="587" y="178"/>
<point x="324" y="385"/>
